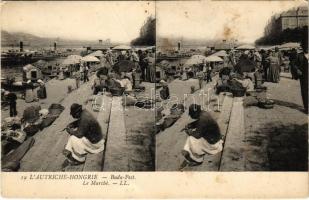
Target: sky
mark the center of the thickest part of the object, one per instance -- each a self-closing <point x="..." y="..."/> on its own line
<point x="211" y="20"/>
<point x="118" y="21"/>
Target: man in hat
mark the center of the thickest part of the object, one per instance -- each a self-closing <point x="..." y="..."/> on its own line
<point x="165" y="91"/>
<point x="203" y="137"/>
<point x="86" y="136"/>
<point x="11" y="97"/>
<point x="302" y="70"/>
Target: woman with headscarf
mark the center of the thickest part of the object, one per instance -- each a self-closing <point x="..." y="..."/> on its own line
<point x="86" y="136"/>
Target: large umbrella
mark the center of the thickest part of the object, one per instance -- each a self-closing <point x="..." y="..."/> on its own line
<point x="90" y="59"/>
<point x="28" y="67"/>
<point x="289" y="45"/>
<point x="124" y="66"/>
<point x="213" y="58"/>
<point x="245" y="65"/>
<point x="102" y="71"/>
<point x="246" y="47"/>
<point x="122" y="47"/>
<point x="72" y="59"/>
<point x="195" y="60"/>
<point x="98" y="53"/>
<point x="221" y="53"/>
<point x="164" y="63"/>
<point x="40" y="63"/>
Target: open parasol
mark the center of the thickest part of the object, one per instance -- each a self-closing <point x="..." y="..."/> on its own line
<point x="289" y="45"/>
<point x="245" y="65"/>
<point x="124" y="66"/>
<point x="122" y="47"/>
<point x="221" y="53"/>
<point x="72" y="59"/>
<point x="246" y="47"/>
<point x="213" y="58"/>
<point x="97" y="53"/>
<point x="40" y="63"/>
<point x="90" y="59"/>
<point x="195" y="60"/>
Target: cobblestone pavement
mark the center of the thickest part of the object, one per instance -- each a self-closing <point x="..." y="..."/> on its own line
<point x="276" y="139"/>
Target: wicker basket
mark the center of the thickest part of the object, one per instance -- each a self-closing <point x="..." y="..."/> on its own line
<point x="117" y="91"/>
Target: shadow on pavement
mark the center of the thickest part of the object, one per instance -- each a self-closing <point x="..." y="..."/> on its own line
<point x="288" y="147"/>
<point x="289" y="105"/>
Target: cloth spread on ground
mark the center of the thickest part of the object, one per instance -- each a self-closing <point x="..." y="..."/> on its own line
<point x="79" y="147"/>
<point x="11" y="161"/>
<point x="53" y="113"/>
<point x="197" y="148"/>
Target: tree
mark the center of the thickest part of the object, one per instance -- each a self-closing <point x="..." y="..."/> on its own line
<point x="147" y="35"/>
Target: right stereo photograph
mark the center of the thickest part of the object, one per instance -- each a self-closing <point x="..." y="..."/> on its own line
<point x="232" y="86"/>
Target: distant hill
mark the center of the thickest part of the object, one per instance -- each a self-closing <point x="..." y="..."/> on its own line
<point x="12" y="39"/>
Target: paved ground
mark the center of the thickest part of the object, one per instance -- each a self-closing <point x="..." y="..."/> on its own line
<point x="256" y="139"/>
<point x="130" y="141"/>
<point x="46" y="153"/>
<point x="170" y="142"/>
<point x="134" y="141"/>
<point x="276" y="139"/>
<point x="140" y="134"/>
<point x="56" y="92"/>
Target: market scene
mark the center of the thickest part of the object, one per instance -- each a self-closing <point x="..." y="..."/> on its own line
<point x="78" y="104"/>
<point x="235" y="103"/>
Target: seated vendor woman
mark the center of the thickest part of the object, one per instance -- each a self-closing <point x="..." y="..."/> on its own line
<point x="86" y="136"/>
<point x="203" y="137"/>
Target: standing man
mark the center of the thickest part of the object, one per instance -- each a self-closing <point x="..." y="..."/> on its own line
<point x="77" y="76"/>
<point x="265" y="64"/>
<point x="81" y="71"/>
<point x="293" y="60"/>
<point x="302" y="71"/>
<point x="11" y="96"/>
<point x="208" y="75"/>
<point x="86" y="70"/>
<point x="200" y="77"/>
<point x="142" y="64"/>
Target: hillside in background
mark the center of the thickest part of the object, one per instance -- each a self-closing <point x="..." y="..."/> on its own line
<point x="12" y="40"/>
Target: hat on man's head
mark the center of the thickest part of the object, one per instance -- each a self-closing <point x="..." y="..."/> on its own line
<point x="75" y="108"/>
<point x="195" y="110"/>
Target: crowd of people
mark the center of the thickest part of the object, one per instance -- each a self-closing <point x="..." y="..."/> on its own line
<point x="242" y="72"/>
<point x="119" y="73"/>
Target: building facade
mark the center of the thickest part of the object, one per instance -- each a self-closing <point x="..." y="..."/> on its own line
<point x="295" y="18"/>
<point x="291" y="19"/>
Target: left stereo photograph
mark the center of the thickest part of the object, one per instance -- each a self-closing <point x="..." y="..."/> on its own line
<point x="78" y="86"/>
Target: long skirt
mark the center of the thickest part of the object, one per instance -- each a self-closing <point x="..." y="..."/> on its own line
<point x="42" y="92"/>
<point x="80" y="147"/>
<point x="152" y="74"/>
<point x="197" y="148"/>
<point x="274" y="73"/>
<point x="29" y="96"/>
<point x="61" y="75"/>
